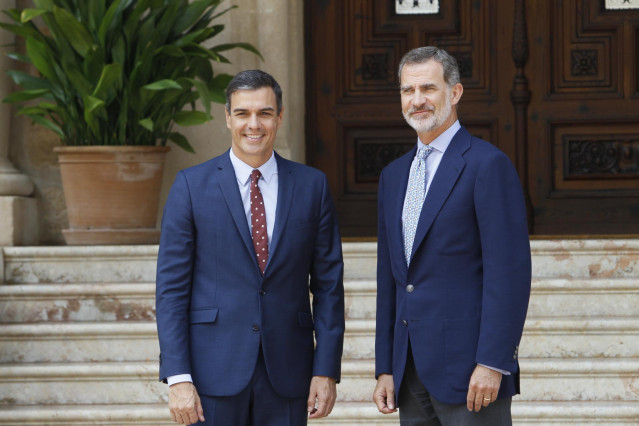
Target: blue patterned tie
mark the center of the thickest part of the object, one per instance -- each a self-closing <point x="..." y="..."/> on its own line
<point x="415" y="194"/>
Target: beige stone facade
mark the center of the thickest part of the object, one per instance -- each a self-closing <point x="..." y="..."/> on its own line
<point x="32" y="208"/>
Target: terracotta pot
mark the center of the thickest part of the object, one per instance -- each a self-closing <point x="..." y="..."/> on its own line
<point x="112" y="193"/>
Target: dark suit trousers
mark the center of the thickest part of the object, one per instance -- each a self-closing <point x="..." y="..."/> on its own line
<point x="418" y="408"/>
<point x="257" y="405"/>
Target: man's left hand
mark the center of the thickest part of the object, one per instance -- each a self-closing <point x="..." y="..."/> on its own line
<point x="483" y="388"/>
<point x="324" y="391"/>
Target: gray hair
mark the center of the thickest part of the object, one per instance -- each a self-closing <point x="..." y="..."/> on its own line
<point x="253" y="80"/>
<point x="427" y="53"/>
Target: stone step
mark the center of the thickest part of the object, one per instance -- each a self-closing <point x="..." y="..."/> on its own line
<point x="593" y="297"/>
<point x="59" y="264"/>
<point x="79" y="342"/>
<point x="29" y="303"/>
<point x="601" y="297"/>
<point x="585" y="258"/>
<point x="568" y="413"/>
<point x="608" y="413"/>
<point x="577" y="337"/>
<point x="594" y="258"/>
<point x="123" y="382"/>
<point x="126" y="264"/>
<point x="552" y="337"/>
<point x="26" y="303"/>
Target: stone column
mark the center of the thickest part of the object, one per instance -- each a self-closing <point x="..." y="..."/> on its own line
<point x="18" y="211"/>
<point x="276" y="28"/>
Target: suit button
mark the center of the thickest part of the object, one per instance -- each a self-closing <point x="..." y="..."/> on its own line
<point x="410" y="288"/>
<point x="262" y="292"/>
<point x="405" y="323"/>
<point x="256" y="328"/>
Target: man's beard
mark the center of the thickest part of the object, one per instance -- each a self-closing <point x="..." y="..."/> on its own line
<point x="433" y="121"/>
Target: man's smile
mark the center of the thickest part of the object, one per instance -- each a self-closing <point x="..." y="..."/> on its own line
<point x="421" y="112"/>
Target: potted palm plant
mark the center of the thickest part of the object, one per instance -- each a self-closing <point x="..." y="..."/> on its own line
<point x="113" y="79"/>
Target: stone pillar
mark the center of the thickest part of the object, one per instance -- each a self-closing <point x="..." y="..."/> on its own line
<point x="18" y="211"/>
<point x="276" y="28"/>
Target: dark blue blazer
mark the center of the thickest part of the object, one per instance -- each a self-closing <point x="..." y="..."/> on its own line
<point x="214" y="306"/>
<point x="470" y="269"/>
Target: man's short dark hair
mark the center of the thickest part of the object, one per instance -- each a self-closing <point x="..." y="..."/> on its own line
<point x="427" y="53"/>
<point x="253" y="80"/>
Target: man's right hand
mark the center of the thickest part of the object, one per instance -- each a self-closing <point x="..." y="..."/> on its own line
<point x="184" y="403"/>
<point x="384" y="394"/>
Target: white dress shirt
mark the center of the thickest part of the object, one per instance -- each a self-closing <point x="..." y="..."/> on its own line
<point x="268" y="184"/>
<point x="439" y="145"/>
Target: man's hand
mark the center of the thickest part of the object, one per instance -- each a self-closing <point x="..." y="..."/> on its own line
<point x="324" y="391"/>
<point x="184" y="403"/>
<point x="483" y="388"/>
<point x="384" y="394"/>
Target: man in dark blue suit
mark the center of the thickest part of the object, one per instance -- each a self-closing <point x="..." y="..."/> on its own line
<point x="244" y="237"/>
<point x="453" y="274"/>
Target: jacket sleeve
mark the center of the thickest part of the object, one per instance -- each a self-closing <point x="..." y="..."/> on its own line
<point x="385" y="326"/>
<point x="505" y="245"/>
<point x="173" y="280"/>
<point x="327" y="286"/>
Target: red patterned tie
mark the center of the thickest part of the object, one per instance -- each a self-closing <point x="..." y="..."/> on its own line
<point x="258" y="222"/>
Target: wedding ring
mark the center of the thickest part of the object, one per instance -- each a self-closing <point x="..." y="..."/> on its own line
<point x="486" y="399"/>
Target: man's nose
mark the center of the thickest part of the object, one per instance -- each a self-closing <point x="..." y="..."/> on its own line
<point x="419" y="99"/>
<point x="254" y="123"/>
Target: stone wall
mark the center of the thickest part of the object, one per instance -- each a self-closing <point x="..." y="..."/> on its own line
<point x="275" y="28"/>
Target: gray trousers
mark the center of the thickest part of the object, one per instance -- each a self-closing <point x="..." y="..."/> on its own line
<point x="418" y="408"/>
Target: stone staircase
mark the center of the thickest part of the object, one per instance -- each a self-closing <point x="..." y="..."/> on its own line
<point x="78" y="341"/>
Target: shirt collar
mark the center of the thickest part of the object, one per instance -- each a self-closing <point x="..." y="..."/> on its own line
<point x="441" y="142"/>
<point x="243" y="171"/>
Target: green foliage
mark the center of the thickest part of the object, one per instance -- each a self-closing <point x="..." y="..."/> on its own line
<point x="119" y="72"/>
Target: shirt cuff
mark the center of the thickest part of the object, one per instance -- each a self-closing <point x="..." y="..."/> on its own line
<point x="171" y="380"/>
<point x="504" y="372"/>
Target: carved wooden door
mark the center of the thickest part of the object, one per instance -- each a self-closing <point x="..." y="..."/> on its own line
<point x="583" y="137"/>
<point x="546" y="110"/>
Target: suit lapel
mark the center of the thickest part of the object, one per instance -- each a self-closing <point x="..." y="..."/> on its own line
<point x="285" y="188"/>
<point x="444" y="180"/>
<point x="231" y="192"/>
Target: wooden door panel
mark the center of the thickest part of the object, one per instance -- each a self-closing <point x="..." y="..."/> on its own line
<point x="355" y="126"/>
<point x="584" y="119"/>
<point x="564" y="107"/>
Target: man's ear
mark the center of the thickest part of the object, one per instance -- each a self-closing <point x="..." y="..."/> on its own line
<point x="456" y="93"/>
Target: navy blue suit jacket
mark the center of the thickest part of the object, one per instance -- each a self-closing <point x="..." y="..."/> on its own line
<point x="214" y="306"/>
<point x="470" y="269"/>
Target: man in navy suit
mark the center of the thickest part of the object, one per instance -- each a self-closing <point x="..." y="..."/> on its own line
<point x="454" y="272"/>
<point x="244" y="237"/>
